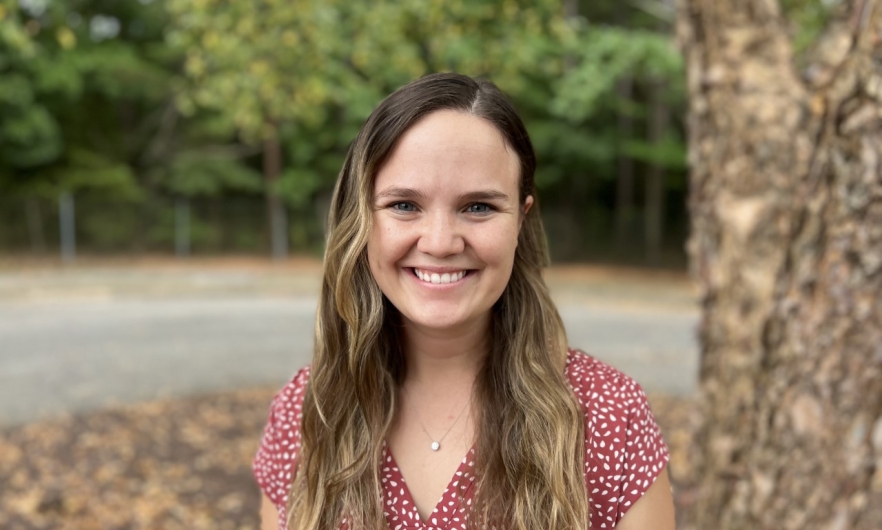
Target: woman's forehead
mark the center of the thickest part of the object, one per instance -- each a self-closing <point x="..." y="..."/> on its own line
<point x="450" y="148"/>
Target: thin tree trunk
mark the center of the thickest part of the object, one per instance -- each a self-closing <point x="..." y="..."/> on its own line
<point x="272" y="168"/>
<point x="624" y="213"/>
<point x="654" y="206"/>
<point x="786" y="245"/>
<point x="67" y="226"/>
<point x="182" y="227"/>
<point x="35" y="224"/>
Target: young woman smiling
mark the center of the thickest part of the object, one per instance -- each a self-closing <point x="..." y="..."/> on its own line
<point x="441" y="368"/>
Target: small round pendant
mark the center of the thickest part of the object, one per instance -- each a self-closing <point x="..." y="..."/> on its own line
<point x="435" y="446"/>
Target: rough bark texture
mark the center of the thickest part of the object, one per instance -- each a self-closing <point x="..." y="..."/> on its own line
<point x="786" y="244"/>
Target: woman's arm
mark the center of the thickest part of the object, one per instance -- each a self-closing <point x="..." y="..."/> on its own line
<point x="269" y="514"/>
<point x="654" y="510"/>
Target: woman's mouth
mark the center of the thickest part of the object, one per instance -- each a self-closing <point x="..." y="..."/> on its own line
<point x="439" y="278"/>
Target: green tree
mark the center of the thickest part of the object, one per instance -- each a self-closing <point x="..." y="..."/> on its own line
<point x="283" y="69"/>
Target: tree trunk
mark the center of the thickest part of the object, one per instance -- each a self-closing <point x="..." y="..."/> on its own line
<point x="67" y="226"/>
<point x="272" y="168"/>
<point x="624" y="214"/>
<point x="654" y="200"/>
<point x="182" y="227"/>
<point x="35" y="224"/>
<point x="786" y="245"/>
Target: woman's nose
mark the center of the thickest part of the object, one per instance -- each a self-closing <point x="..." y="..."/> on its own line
<point x="440" y="236"/>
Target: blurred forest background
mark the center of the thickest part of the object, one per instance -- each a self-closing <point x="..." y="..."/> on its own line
<point x="207" y="126"/>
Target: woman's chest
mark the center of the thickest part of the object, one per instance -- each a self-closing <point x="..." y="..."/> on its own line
<point x="427" y="464"/>
<point x="449" y="510"/>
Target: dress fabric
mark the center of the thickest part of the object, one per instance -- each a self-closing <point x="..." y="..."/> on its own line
<point x="624" y="452"/>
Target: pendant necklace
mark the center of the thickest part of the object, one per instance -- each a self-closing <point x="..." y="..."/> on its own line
<point x="436" y="444"/>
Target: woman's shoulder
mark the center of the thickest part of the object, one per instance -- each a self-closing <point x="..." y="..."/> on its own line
<point x="624" y="449"/>
<point x="292" y="392"/>
<point x="273" y="464"/>
<point x="616" y="407"/>
<point x="594" y="381"/>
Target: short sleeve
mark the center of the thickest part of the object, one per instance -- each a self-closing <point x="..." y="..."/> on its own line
<point x="275" y="461"/>
<point x="624" y="448"/>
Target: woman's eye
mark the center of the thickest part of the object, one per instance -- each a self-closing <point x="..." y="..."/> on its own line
<point x="479" y="207"/>
<point x="403" y="207"/>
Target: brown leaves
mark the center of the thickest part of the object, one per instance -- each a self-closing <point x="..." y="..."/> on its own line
<point x="182" y="464"/>
<point x="177" y="464"/>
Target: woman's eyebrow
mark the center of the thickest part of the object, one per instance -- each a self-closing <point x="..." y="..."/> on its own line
<point x="484" y="195"/>
<point x="399" y="193"/>
<point x="410" y="193"/>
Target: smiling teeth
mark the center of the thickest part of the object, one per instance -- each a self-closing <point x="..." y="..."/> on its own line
<point x="434" y="277"/>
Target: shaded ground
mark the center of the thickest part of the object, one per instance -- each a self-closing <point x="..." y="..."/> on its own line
<point x="181" y="464"/>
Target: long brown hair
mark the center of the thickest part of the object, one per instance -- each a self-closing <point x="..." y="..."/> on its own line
<point x="530" y="435"/>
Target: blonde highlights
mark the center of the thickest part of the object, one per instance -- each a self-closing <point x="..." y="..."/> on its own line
<point x="530" y="436"/>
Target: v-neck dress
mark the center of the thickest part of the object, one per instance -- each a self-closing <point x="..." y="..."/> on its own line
<point x="624" y="452"/>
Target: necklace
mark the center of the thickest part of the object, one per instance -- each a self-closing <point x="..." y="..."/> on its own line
<point x="436" y="444"/>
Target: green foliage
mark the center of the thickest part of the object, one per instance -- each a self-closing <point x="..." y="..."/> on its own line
<point x="667" y="153"/>
<point x="62" y="91"/>
<point x="91" y="170"/>
<point x="202" y="172"/>
<point x="269" y="62"/>
<point x="29" y="134"/>
<point x="174" y="98"/>
<point x="298" y="186"/>
<point x="605" y="55"/>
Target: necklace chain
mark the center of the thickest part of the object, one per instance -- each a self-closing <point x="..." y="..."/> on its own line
<point x="436" y="444"/>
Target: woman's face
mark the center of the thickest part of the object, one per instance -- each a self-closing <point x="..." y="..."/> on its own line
<point x="446" y="221"/>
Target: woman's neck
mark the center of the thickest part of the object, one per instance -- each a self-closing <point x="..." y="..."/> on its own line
<point x="444" y="358"/>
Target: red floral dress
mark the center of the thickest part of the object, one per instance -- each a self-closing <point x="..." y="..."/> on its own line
<point x="624" y="452"/>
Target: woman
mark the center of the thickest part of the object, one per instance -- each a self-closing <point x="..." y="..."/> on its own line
<point x="436" y="338"/>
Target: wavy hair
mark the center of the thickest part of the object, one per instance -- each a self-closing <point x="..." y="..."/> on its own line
<point x="530" y="430"/>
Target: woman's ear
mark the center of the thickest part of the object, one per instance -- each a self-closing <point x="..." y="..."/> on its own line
<point x="528" y="202"/>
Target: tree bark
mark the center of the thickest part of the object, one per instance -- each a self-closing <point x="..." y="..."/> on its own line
<point x="786" y="245"/>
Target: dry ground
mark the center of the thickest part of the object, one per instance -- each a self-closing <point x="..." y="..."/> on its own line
<point x="181" y="464"/>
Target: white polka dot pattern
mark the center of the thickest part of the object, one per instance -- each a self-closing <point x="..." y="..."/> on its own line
<point x="624" y="452"/>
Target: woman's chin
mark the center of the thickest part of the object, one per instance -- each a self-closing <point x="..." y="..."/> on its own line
<point x="441" y="321"/>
